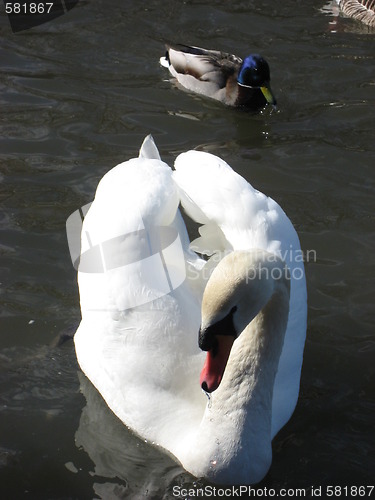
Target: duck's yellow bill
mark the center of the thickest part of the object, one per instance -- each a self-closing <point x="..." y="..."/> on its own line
<point x="267" y="92"/>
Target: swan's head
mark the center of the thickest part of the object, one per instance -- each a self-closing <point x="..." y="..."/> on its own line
<point x="255" y="73"/>
<point x="239" y="287"/>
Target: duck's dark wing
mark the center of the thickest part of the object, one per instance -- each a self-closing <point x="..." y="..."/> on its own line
<point x="216" y="57"/>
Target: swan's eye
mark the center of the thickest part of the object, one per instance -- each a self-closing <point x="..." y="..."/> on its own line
<point x="225" y="326"/>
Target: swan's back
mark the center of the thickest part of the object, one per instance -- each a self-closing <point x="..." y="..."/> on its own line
<point x="235" y="216"/>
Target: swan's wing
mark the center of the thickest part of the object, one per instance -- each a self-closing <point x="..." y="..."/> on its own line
<point x="214" y="195"/>
<point x="137" y="341"/>
<point x="125" y="232"/>
<point x="235" y="216"/>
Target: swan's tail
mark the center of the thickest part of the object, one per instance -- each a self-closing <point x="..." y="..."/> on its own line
<point x="148" y="149"/>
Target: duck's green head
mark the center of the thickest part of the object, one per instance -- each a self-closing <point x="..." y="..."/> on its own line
<point x="255" y="73"/>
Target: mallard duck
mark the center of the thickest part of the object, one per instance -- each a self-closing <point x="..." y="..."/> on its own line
<point x="148" y="300"/>
<point x="221" y="76"/>
<point x="362" y="10"/>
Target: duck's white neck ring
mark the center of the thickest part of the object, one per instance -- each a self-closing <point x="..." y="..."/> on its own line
<point x="247" y="86"/>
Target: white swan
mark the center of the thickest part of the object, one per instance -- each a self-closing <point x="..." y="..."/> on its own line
<point x="141" y="292"/>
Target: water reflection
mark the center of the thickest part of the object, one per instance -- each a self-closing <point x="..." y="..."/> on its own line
<point x="125" y="466"/>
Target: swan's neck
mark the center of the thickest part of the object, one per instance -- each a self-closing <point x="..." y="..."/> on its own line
<point x="252" y="366"/>
<point x="236" y="427"/>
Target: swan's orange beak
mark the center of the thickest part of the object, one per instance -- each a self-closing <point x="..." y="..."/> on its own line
<point x="215" y="363"/>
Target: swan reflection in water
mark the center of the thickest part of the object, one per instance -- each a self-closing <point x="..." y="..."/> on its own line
<point x="125" y="466"/>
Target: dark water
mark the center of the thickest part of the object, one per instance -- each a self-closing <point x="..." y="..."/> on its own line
<point x="78" y="95"/>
